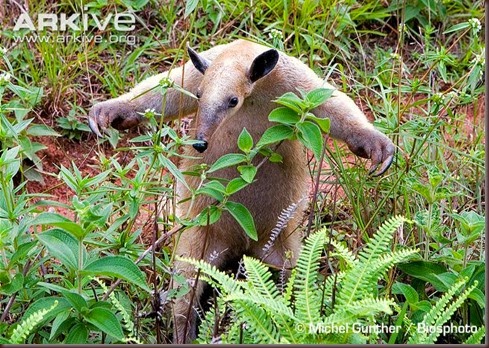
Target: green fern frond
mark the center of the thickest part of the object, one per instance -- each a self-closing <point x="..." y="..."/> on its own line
<point x="281" y="315"/>
<point x="369" y="307"/>
<point x="237" y="333"/>
<point x="441" y="312"/>
<point x="206" y="328"/>
<point x="381" y="241"/>
<point x="21" y="332"/>
<point x="329" y="285"/>
<point x="432" y="315"/>
<point x="261" y="313"/>
<point x="380" y="266"/>
<point x="290" y="287"/>
<point x="275" y="306"/>
<point x="217" y="278"/>
<point x="340" y="251"/>
<point x="444" y="316"/>
<point x="308" y="296"/>
<point x="260" y="278"/>
<point x="261" y="290"/>
<point x="358" y="280"/>
<point x="258" y="323"/>
<point x="337" y="319"/>
<point x="476" y="337"/>
<point x="386" y="261"/>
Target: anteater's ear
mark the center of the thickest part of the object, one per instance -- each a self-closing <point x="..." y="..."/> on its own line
<point x="200" y="63"/>
<point x="263" y="64"/>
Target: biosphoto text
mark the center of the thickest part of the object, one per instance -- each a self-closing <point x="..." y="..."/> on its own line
<point x="84" y="27"/>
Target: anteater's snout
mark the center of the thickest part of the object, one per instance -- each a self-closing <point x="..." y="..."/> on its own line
<point x="201" y="146"/>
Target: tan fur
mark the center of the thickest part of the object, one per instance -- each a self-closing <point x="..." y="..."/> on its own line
<point x="277" y="185"/>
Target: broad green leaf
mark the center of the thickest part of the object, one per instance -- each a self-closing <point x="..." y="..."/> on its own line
<point x="21" y="252"/>
<point x="141" y="139"/>
<point x="311" y="136"/>
<point x="213" y="189"/>
<point x="479" y="297"/>
<point x="62" y="246"/>
<point x="173" y="169"/>
<point x="55" y="219"/>
<point x="318" y="96"/>
<point x="21" y="125"/>
<point x="61" y="324"/>
<point x="78" y="334"/>
<point x="228" y="160"/>
<point x="9" y="165"/>
<point x="235" y="185"/>
<point x="448" y="279"/>
<point x="10" y="155"/>
<point x="190" y="6"/>
<point x="16" y="284"/>
<point x="32" y="95"/>
<point x="48" y="302"/>
<point x="276" y="158"/>
<point x="323" y="123"/>
<point x="42" y="130"/>
<point x="247" y="172"/>
<point x="243" y="216"/>
<point x="77" y="301"/>
<point x="32" y="174"/>
<point x="407" y="291"/>
<point x="209" y="215"/>
<point x="97" y="179"/>
<point x="245" y="141"/>
<point x="53" y="287"/>
<point x="290" y="100"/>
<point x="275" y="134"/>
<point x="118" y="267"/>
<point x="69" y="178"/>
<point x="471" y="226"/>
<point x="411" y="12"/>
<point x="105" y="321"/>
<point x="103" y="304"/>
<point x="30" y="148"/>
<point x="284" y="115"/>
<point x="424" y="306"/>
<point x="113" y="136"/>
<point x="426" y="271"/>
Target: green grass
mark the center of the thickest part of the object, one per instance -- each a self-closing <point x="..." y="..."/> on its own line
<point x="420" y="83"/>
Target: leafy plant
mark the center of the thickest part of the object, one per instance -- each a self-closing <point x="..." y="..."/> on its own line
<point x="306" y="312"/>
<point x="24" y="329"/>
<point x="431" y="327"/>
<point x="18" y="130"/>
<point x="71" y="126"/>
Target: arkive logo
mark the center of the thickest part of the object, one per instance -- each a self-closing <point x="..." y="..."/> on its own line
<point x="78" y="21"/>
<point x="77" y="27"/>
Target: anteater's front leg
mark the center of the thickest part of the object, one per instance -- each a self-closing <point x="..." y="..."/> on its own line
<point x="125" y="111"/>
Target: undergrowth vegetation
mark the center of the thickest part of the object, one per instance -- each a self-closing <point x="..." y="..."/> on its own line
<point x="95" y="268"/>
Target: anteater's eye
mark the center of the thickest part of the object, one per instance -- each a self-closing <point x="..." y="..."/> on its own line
<point x="198" y="94"/>
<point x="233" y="102"/>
